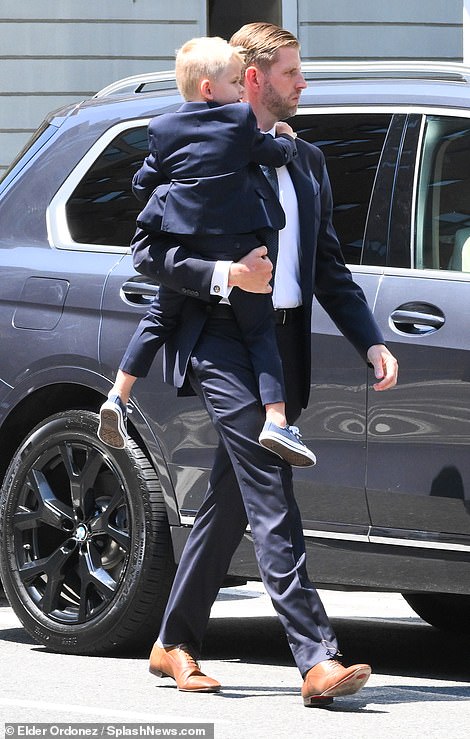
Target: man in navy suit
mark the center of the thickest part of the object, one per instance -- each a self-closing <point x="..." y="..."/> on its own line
<point x="248" y="484"/>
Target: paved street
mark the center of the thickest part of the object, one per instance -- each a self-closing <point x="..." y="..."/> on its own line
<point x="420" y="686"/>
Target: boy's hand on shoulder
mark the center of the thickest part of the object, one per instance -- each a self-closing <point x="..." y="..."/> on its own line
<point x="283" y="127"/>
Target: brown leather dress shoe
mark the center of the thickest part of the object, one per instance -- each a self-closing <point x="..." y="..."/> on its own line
<point x="177" y="662"/>
<point x="328" y="679"/>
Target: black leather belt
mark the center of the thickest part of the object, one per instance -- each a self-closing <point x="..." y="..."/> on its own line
<point x="282" y="316"/>
<point x="285" y="316"/>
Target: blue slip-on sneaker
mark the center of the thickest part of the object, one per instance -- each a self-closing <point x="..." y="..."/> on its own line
<point x="112" y="428"/>
<point x="286" y="443"/>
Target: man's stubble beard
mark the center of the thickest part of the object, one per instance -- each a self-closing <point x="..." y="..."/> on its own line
<point x="277" y="105"/>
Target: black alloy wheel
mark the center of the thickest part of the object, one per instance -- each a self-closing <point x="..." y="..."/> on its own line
<point x="86" y="557"/>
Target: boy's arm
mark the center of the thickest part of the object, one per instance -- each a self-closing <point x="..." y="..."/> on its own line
<point x="150" y="175"/>
<point x="158" y="255"/>
<point x="270" y="151"/>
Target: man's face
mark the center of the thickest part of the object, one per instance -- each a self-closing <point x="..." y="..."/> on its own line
<point x="282" y="84"/>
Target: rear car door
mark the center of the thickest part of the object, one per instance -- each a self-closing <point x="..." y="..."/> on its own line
<point x="360" y="149"/>
<point x="418" y="462"/>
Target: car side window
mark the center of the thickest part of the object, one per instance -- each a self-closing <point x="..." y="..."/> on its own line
<point x="102" y="208"/>
<point x="352" y="144"/>
<point x="443" y="196"/>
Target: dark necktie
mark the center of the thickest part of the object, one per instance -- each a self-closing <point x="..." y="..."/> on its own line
<point x="271" y="238"/>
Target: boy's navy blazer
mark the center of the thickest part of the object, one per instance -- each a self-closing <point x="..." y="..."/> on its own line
<point x="323" y="273"/>
<point x="210" y="153"/>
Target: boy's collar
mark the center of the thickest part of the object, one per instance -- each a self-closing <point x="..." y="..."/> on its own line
<point x="197" y="105"/>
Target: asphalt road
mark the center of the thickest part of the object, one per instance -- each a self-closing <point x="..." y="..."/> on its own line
<point x="420" y="687"/>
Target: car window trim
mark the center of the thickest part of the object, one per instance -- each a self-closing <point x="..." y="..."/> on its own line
<point x="387" y="270"/>
<point x="414" y="203"/>
<point x="58" y="232"/>
<point x="429" y="274"/>
<point x="401" y="108"/>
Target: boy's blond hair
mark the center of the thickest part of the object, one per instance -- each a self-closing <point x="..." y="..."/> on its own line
<point x="202" y="58"/>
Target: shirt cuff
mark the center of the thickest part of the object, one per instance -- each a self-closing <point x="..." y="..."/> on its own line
<point x="219" y="282"/>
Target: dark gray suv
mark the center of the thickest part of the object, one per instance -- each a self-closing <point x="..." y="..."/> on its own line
<point x="90" y="535"/>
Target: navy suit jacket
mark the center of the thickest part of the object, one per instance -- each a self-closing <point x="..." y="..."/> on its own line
<point x="201" y="175"/>
<point x="323" y="273"/>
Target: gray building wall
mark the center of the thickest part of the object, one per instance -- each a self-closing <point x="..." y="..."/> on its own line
<point x="53" y="52"/>
<point x="381" y="29"/>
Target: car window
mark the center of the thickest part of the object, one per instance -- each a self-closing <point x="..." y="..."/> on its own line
<point x="443" y="196"/>
<point x="352" y="144"/>
<point x="102" y="208"/>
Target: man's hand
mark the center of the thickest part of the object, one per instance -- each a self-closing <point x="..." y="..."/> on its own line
<point x="385" y="366"/>
<point x="253" y="272"/>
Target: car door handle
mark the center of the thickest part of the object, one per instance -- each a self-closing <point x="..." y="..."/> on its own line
<point x="139" y="291"/>
<point x="417" y="318"/>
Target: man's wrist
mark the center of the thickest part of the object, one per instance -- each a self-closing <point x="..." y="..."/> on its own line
<point x="232" y="274"/>
<point x="220" y="286"/>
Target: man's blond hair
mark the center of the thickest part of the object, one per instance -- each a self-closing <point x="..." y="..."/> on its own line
<point x="261" y="42"/>
<point x="202" y="58"/>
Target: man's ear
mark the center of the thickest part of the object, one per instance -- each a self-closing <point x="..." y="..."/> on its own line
<point x="252" y="78"/>
<point x="206" y="90"/>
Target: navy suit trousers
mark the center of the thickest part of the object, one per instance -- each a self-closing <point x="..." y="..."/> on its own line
<point x="250" y="484"/>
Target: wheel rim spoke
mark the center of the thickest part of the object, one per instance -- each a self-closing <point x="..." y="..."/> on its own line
<point x="55" y="584"/>
<point x="101" y="524"/>
<point x="50" y="510"/>
<point x="48" y="566"/>
<point x="82" y="479"/>
<point x="53" y="569"/>
<point x="94" y="581"/>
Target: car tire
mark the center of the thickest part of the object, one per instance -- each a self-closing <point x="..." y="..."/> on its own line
<point x="85" y="548"/>
<point x="445" y="611"/>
